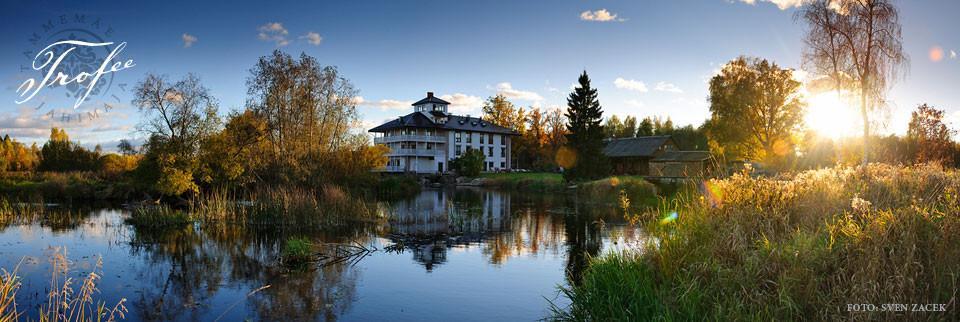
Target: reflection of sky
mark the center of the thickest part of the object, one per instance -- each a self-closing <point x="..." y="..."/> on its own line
<point x="505" y="276"/>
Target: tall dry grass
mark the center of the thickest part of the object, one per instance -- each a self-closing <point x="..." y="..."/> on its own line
<point x="787" y="248"/>
<point x="65" y="301"/>
<point x="326" y="205"/>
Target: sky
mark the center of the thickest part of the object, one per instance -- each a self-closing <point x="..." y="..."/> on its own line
<point x="646" y="58"/>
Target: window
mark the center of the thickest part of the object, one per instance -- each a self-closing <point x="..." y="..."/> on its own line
<point x="481" y="139"/>
<point x="457" y="137"/>
<point x="490" y="137"/>
<point x="490" y="151"/>
<point x="503" y="165"/>
<point x="503" y="152"/>
<point x="503" y="140"/>
<point x="469" y="137"/>
<point x="429" y="146"/>
<point x="457" y="150"/>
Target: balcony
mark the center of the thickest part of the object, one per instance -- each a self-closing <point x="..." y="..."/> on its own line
<point x="416" y="152"/>
<point x="410" y="138"/>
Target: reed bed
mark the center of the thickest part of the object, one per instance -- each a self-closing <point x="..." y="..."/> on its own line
<point x="794" y="247"/>
<point x="328" y="205"/>
<point x="67" y="300"/>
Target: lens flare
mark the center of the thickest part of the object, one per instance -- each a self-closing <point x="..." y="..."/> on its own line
<point x="566" y="157"/>
<point x="936" y="54"/>
<point x="712" y="194"/>
<point x="669" y="218"/>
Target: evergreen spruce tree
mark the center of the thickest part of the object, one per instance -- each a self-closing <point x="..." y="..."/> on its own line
<point x="585" y="132"/>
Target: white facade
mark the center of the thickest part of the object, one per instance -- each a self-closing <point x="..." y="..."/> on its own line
<point x="438" y="138"/>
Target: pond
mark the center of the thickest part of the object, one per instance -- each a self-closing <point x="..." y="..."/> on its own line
<point x="461" y="254"/>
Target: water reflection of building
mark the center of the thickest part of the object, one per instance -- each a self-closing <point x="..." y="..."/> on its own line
<point x="450" y="211"/>
<point x="503" y="225"/>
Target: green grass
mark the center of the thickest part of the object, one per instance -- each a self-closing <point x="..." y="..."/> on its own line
<point x="158" y="217"/>
<point x="789" y="248"/>
<point x="531" y="181"/>
<point x="639" y="191"/>
<point x="296" y="251"/>
<point x="62" y="187"/>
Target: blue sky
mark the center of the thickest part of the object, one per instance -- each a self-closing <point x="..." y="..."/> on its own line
<point x="395" y="51"/>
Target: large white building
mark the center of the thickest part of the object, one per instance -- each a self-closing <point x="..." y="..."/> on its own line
<point x="426" y="140"/>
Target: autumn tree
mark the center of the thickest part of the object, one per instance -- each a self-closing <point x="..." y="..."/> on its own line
<point x="59" y="154"/>
<point x="755" y="110"/>
<point x="556" y="123"/>
<point x="645" y="128"/>
<point x="931" y="135"/>
<point x="232" y="156"/>
<point x="857" y="46"/>
<point x="499" y="110"/>
<point x="585" y="136"/>
<point x="310" y="112"/>
<point x="179" y="116"/>
<point x="612" y="127"/>
<point x="15" y="156"/>
<point x="536" y="139"/>
<point x="629" y="128"/>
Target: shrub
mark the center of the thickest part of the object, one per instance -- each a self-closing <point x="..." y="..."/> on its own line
<point x="469" y="164"/>
<point x="397" y="186"/>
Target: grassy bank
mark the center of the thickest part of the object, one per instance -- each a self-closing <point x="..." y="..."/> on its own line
<point x="800" y="247"/>
<point x="608" y="189"/>
<point x="525" y="181"/>
<point x="640" y="192"/>
<point x="65" y="187"/>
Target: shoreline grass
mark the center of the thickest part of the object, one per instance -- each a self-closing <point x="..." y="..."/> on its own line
<point x="63" y="302"/>
<point x="533" y="181"/>
<point x="787" y="248"/>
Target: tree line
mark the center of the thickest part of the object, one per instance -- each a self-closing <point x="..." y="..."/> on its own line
<point x="299" y="127"/>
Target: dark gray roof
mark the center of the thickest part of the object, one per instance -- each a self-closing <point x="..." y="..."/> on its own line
<point x="454" y="123"/>
<point x="682" y="156"/>
<point x="431" y="99"/>
<point x="644" y="146"/>
<point x="415" y="120"/>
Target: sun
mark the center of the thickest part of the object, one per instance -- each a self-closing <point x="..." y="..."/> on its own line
<point x="829" y="116"/>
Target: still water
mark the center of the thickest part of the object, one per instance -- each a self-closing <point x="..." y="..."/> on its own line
<point x="478" y="255"/>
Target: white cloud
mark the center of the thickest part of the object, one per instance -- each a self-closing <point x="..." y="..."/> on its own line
<point x="601" y="15"/>
<point x="953" y="54"/>
<point x="387" y="104"/>
<point x="667" y="87"/>
<point x="275" y="32"/>
<point x="782" y="4"/>
<point x="463" y="103"/>
<point x="394" y="104"/>
<point x="30" y="125"/>
<point x="634" y="103"/>
<point x="312" y="38"/>
<point x="506" y="89"/>
<point x="630" y="84"/>
<point x="188" y="40"/>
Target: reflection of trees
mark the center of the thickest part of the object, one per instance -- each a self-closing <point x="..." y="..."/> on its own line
<point x="583" y="241"/>
<point x="189" y="265"/>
